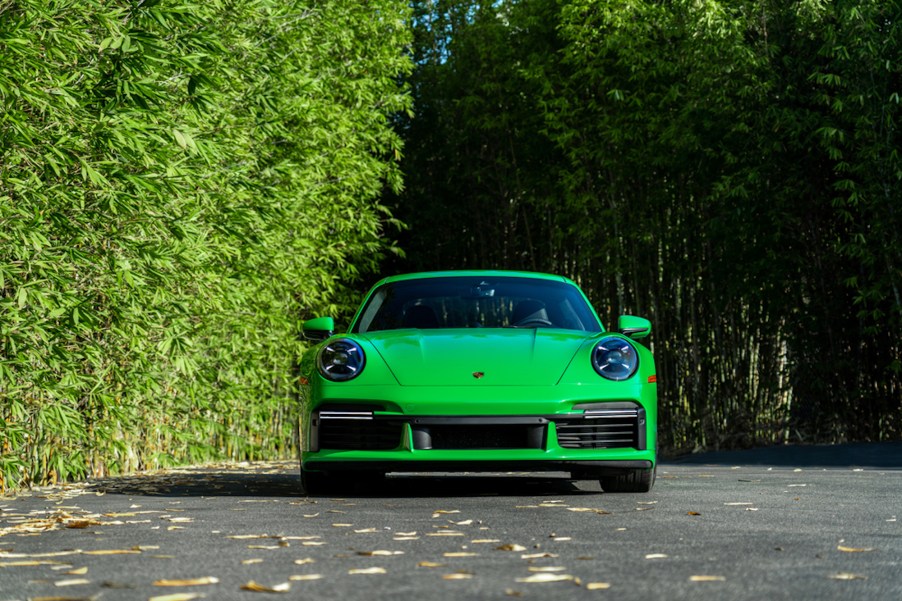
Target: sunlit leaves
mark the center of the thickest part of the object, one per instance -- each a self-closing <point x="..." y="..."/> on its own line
<point x="178" y="184"/>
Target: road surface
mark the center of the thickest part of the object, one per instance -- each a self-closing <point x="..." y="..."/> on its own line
<point x="788" y="523"/>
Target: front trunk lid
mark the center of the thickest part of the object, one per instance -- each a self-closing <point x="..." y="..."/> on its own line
<point x="476" y="357"/>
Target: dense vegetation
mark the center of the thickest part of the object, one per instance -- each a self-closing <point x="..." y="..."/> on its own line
<point x="730" y="169"/>
<point x="179" y="184"/>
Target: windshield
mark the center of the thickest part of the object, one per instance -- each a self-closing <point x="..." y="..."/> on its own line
<point x="476" y="302"/>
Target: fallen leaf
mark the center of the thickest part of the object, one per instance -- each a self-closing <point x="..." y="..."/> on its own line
<point x="589" y="510"/>
<point x="510" y="547"/>
<point x="707" y="579"/>
<point x="538" y="555"/>
<point x="379" y="553"/>
<point x="692" y="513"/>
<point x="248" y="562"/>
<point x="78" y="571"/>
<point x="547" y="569"/>
<point x="58" y="598"/>
<point x="656" y="556"/>
<point x="483" y="541"/>
<point x="188" y="581"/>
<point x="72" y="582"/>
<point x="598" y="586"/>
<point x="457" y="576"/>
<point x="255" y="587"/>
<point x="305" y="561"/>
<point x="177" y="597"/>
<point x="365" y="531"/>
<point x="34" y="555"/>
<point x="305" y="577"/>
<point x="847" y="576"/>
<point x="430" y="564"/>
<point x="545" y="577"/>
<point x="113" y="552"/>
<point x="845" y="549"/>
<point x="461" y="554"/>
<point x="76" y="524"/>
<point x="368" y="571"/>
<point x="439" y="512"/>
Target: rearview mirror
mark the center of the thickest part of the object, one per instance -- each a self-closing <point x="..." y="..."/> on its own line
<point x="633" y="327"/>
<point x="318" y="329"/>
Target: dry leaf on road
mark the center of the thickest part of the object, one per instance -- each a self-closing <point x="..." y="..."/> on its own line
<point x="255" y="587"/>
<point x="847" y="576"/>
<point x="368" y="571"/>
<point x="177" y="597"/>
<point x="845" y="549"/>
<point x="188" y="581"/>
<point x="546" y="577"/>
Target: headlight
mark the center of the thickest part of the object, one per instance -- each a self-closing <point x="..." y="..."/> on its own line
<point x="341" y="360"/>
<point x="615" y="359"/>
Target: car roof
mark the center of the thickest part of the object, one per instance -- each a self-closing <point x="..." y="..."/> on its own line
<point x="474" y="273"/>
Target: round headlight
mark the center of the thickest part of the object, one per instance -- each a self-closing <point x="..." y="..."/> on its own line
<point x="341" y="360"/>
<point x="615" y="359"/>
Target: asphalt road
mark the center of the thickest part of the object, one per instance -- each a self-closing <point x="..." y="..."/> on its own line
<point x="789" y="523"/>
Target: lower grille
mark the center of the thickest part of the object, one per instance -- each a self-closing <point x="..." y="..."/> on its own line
<point x="604" y="430"/>
<point x="366" y="435"/>
<point x="479" y="437"/>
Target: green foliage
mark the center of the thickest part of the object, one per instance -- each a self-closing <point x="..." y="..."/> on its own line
<point x="179" y="184"/>
<point x="729" y="169"/>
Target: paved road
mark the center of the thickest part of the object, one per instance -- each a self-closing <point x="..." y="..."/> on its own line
<point x="791" y="523"/>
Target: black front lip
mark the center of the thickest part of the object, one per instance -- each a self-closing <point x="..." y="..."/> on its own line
<point x="587" y="469"/>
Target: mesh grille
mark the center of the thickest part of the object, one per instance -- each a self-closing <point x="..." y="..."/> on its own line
<point x="371" y="435"/>
<point x="480" y="437"/>
<point x="615" y="432"/>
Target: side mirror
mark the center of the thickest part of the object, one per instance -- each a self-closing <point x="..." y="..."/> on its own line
<point x="318" y="329"/>
<point x="633" y="327"/>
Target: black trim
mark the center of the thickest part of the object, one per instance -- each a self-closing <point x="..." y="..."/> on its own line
<point x="602" y="425"/>
<point x="582" y="470"/>
<point x="488" y="420"/>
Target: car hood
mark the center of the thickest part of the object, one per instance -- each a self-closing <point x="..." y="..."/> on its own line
<point x="474" y="357"/>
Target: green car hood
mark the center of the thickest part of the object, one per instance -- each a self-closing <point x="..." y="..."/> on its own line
<point x="473" y="357"/>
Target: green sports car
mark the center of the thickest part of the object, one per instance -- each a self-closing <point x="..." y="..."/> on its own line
<point x="478" y="371"/>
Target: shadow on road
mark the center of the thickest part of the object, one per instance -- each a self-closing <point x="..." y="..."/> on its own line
<point x="885" y="455"/>
<point x="281" y="479"/>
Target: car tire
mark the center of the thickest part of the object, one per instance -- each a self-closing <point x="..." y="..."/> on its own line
<point x="631" y="481"/>
<point x="315" y="483"/>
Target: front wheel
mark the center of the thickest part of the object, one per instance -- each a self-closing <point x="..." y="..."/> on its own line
<point x="316" y="483"/>
<point x="631" y="481"/>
